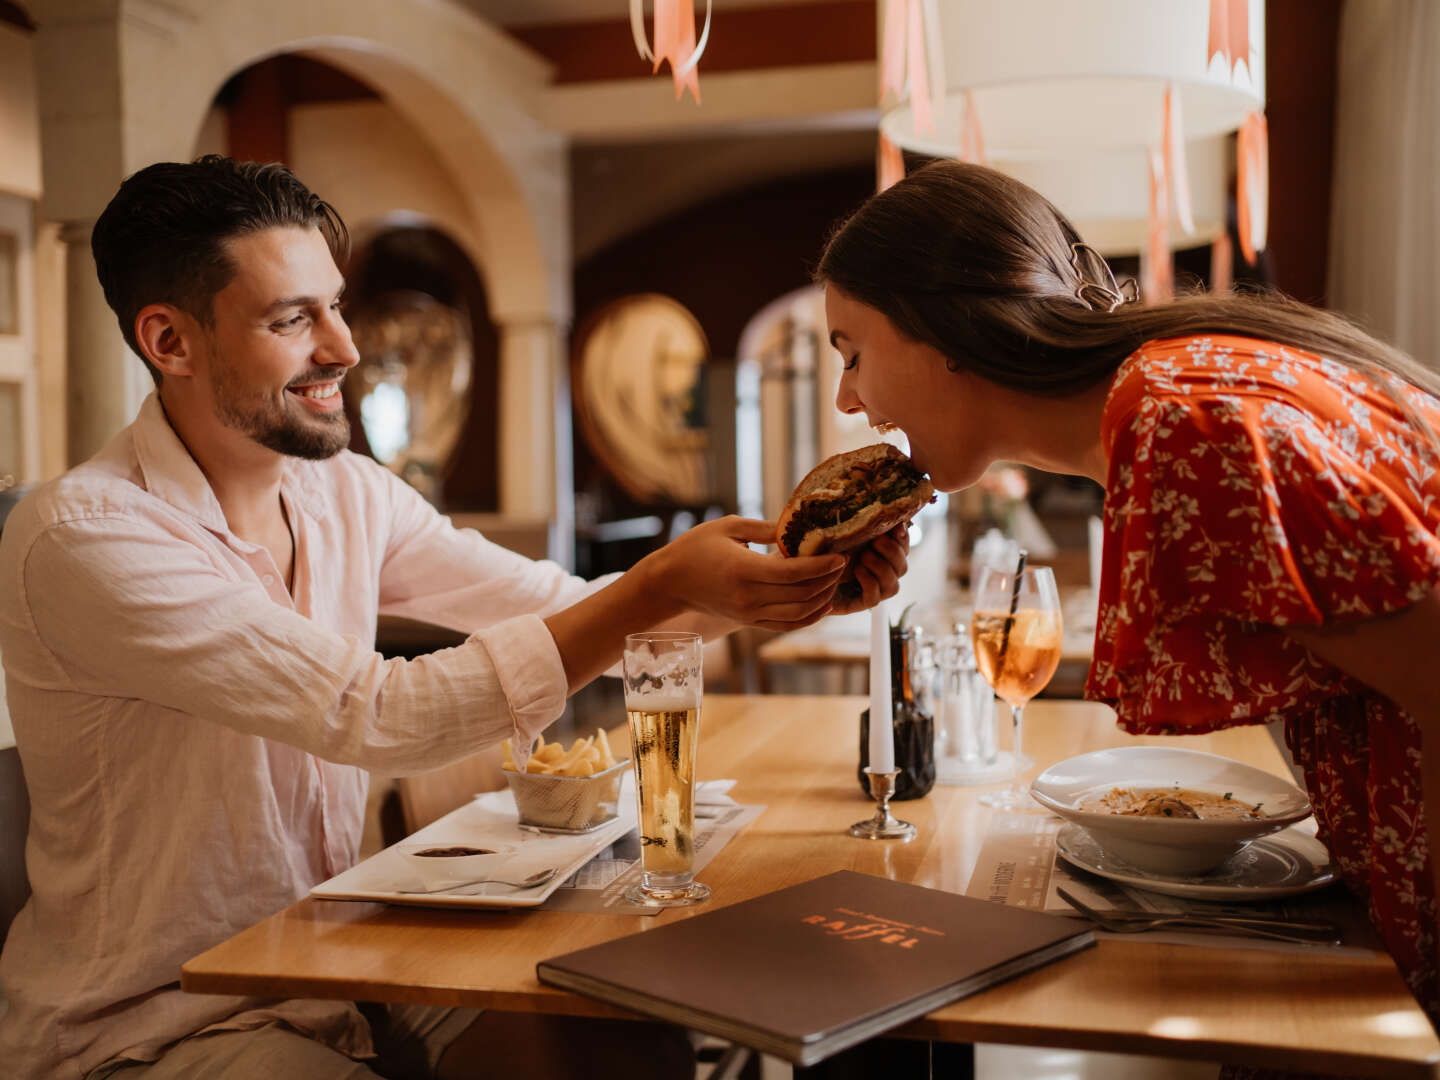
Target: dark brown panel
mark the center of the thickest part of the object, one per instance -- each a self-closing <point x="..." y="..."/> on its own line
<point x="13" y="14"/>
<point x="257" y="122"/>
<point x="838" y="31"/>
<point x="1301" y="56"/>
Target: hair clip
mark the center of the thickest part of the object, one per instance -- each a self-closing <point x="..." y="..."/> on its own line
<point x="1097" y="295"/>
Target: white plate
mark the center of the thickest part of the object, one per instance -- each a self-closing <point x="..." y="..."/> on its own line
<point x="489" y="820"/>
<point x="1285" y="863"/>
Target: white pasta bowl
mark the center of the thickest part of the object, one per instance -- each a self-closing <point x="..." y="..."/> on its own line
<point x="1170" y="845"/>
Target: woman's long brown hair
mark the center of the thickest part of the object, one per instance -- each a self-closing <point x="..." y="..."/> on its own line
<point x="979" y="266"/>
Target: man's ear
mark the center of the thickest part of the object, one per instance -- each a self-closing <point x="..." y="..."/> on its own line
<point x="168" y="338"/>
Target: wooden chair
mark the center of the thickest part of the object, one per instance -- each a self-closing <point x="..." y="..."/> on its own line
<point x="430" y="795"/>
<point x="734" y="666"/>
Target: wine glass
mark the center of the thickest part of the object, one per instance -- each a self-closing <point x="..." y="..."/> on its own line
<point x="1017" y="637"/>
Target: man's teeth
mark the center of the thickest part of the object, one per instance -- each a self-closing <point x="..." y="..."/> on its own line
<point x="325" y="390"/>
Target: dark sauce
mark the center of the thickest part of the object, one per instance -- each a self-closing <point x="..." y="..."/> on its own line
<point x="453" y="852"/>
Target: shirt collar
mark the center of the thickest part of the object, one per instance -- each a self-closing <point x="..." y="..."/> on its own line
<point x="172" y="474"/>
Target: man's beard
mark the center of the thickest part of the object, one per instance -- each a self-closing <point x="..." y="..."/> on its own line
<point x="273" y="425"/>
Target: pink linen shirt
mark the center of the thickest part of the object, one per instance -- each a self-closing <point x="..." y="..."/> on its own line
<point x="196" y="742"/>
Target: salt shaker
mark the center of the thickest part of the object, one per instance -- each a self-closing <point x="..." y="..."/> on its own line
<point x="966" y="740"/>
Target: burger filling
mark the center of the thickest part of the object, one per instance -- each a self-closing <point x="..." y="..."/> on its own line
<point x="883" y="481"/>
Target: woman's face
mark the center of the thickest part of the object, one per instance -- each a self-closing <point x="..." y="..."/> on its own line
<point x="896" y="381"/>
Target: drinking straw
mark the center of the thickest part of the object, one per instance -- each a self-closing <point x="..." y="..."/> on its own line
<point x="1014" y="602"/>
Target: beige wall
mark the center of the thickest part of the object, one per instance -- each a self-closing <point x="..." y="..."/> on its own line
<point x="19" y="114"/>
<point x="367" y="161"/>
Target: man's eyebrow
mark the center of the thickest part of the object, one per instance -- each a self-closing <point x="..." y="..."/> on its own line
<point x="299" y="301"/>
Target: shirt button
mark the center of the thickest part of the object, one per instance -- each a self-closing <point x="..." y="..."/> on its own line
<point x="269" y="579"/>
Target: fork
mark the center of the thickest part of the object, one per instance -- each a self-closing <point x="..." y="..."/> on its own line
<point x="1133" y="922"/>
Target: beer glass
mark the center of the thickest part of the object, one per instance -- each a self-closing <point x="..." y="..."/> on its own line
<point x="662" y="698"/>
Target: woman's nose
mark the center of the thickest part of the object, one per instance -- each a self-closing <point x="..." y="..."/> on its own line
<point x="846" y="400"/>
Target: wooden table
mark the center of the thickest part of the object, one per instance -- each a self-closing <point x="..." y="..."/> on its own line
<point x="1310" y="1011"/>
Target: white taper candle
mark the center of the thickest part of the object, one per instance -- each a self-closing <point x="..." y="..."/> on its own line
<point x="882" y="729"/>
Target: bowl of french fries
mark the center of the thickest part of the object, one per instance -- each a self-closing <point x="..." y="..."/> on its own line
<point x="566" y="790"/>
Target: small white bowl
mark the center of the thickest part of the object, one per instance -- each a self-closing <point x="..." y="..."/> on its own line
<point x="1165" y="845"/>
<point x="445" y="871"/>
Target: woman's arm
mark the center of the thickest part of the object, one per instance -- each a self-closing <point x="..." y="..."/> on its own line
<point x="1396" y="655"/>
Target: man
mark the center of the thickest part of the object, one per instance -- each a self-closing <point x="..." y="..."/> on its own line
<point x="187" y="625"/>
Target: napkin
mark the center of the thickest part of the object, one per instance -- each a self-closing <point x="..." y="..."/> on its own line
<point x="712" y="798"/>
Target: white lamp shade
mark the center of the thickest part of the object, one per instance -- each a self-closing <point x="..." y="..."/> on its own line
<point x="1063" y="78"/>
<point x="1105" y="194"/>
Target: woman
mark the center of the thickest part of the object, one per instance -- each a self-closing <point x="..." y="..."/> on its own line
<point x="1272" y="497"/>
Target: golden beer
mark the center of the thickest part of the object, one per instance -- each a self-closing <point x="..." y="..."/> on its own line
<point x="663" y="741"/>
<point x="663" y="683"/>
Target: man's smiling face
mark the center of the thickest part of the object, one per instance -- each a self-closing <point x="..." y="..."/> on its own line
<point x="278" y="346"/>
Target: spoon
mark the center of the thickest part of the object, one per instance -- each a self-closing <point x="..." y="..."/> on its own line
<point x="537" y="878"/>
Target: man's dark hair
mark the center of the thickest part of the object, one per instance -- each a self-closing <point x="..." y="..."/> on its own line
<point x="162" y="238"/>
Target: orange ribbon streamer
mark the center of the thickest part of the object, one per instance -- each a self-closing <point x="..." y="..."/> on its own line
<point x="890" y="166"/>
<point x="892" y="54"/>
<point x="1173" y="139"/>
<point x="1229" y="33"/>
<point x="675" y="41"/>
<point x="919" y="70"/>
<point x="1252" y="184"/>
<point x="1222" y="256"/>
<point x="1158" y="270"/>
<point x="972" y="141"/>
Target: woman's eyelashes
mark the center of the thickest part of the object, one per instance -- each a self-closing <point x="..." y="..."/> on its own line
<point x="852" y="363"/>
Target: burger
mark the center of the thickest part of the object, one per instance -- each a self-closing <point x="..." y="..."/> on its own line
<point x="849" y="499"/>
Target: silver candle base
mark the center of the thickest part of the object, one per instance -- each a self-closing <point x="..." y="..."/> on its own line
<point x="884" y="825"/>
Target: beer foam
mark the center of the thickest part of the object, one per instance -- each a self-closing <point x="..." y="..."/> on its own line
<point x="666" y="700"/>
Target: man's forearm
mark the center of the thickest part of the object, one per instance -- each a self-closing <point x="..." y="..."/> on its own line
<point x="590" y="635"/>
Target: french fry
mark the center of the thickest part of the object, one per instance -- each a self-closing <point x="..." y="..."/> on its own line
<point x="574" y="754"/>
<point x="586" y="757"/>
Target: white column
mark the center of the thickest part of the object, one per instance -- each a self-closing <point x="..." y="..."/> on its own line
<point x="534" y="444"/>
<point x="105" y="381"/>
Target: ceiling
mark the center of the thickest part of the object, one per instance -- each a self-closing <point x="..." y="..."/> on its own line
<point x="536" y="12"/>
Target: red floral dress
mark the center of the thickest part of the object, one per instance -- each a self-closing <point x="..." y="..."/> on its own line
<point x="1254" y="486"/>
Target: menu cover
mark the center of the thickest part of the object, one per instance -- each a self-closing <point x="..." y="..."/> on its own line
<point x="808" y="971"/>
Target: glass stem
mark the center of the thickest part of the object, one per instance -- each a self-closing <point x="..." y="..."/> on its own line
<point x="1019" y="745"/>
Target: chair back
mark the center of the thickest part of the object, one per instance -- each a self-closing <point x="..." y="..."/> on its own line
<point x="14" y="822"/>
<point x="427" y="796"/>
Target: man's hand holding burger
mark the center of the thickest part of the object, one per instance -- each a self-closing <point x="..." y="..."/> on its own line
<point x="711" y="572"/>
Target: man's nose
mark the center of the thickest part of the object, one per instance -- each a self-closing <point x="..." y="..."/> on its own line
<point x="336" y="345"/>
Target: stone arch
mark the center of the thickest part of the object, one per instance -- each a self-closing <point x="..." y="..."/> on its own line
<point x="470" y="91"/>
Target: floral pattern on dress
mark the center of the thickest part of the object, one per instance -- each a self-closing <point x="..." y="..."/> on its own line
<point x="1254" y="486"/>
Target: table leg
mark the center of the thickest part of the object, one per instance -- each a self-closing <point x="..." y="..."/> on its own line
<point x="902" y="1059"/>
